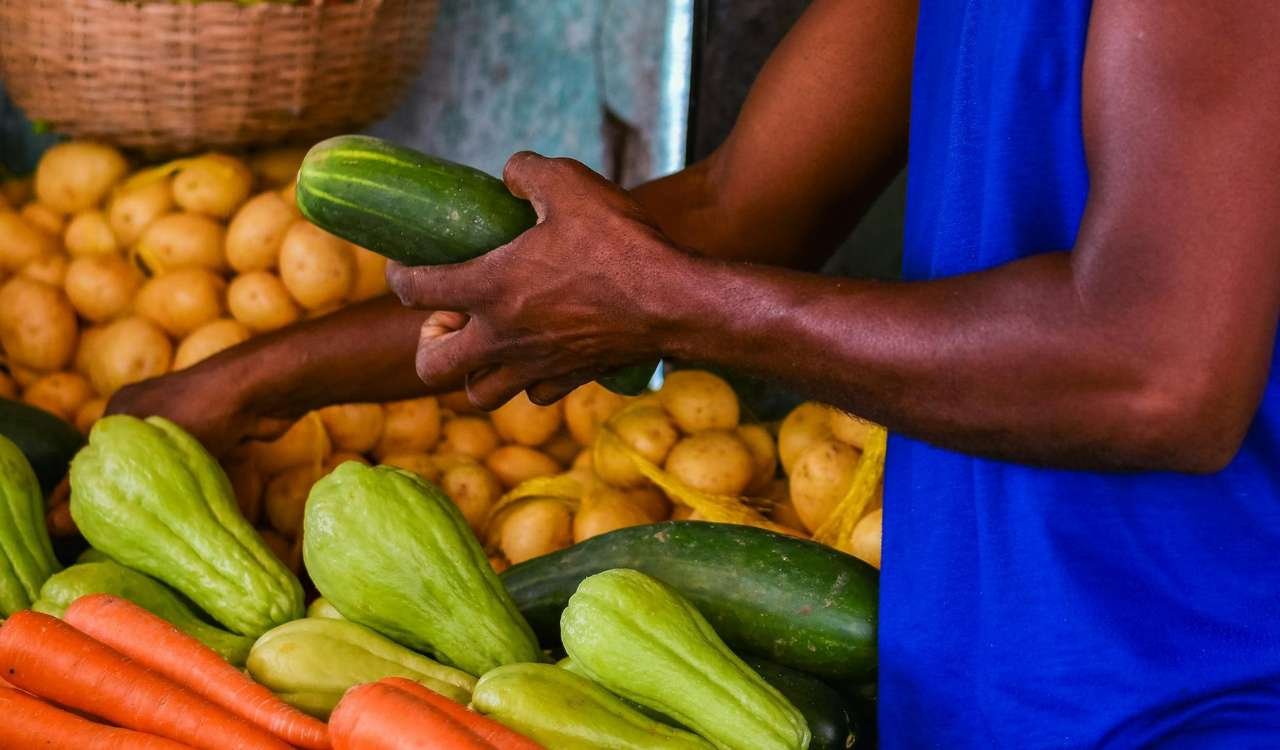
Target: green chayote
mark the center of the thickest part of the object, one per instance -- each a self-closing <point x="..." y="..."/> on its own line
<point x="150" y="497"/>
<point x="26" y="554"/>
<point x="392" y="552"/>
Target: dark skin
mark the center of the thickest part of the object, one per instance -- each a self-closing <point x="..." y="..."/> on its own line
<point x="1146" y="346"/>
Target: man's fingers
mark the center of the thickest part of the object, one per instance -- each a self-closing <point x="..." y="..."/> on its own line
<point x="444" y="359"/>
<point x="547" y="392"/>
<point x="490" y="389"/>
<point x="449" y="287"/>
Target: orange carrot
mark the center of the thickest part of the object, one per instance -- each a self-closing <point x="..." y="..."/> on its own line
<point x="378" y="716"/>
<point x="157" y="645"/>
<point x="31" y="723"/>
<point x="488" y="729"/>
<point x="52" y="660"/>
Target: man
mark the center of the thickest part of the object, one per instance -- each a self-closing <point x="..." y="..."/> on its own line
<point x="1082" y="511"/>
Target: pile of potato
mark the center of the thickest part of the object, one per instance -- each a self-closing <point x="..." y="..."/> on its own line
<point x="108" y="278"/>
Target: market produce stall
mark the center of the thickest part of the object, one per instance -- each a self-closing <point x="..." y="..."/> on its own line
<point x="626" y="568"/>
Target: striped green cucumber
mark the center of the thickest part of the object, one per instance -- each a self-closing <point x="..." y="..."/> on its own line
<point x="792" y="601"/>
<point x="46" y="441"/>
<point x="418" y="210"/>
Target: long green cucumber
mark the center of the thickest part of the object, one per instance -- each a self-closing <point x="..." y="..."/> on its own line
<point x="419" y="210"/>
<point x="46" y="441"/>
<point x="794" y="602"/>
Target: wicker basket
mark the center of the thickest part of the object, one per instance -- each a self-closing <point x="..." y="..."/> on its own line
<point x="168" y="78"/>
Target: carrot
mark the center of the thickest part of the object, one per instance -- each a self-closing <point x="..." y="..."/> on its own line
<point x="157" y="645"/>
<point x="31" y="723"/>
<point x="52" y="660"/>
<point x="378" y="716"/>
<point x="488" y="729"/>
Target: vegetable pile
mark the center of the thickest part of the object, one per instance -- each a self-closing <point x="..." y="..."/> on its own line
<point x="416" y="641"/>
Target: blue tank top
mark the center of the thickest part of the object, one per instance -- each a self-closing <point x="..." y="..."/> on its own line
<point x="1029" y="608"/>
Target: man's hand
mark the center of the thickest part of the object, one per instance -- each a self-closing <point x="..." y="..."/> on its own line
<point x="574" y="297"/>
<point x="197" y="400"/>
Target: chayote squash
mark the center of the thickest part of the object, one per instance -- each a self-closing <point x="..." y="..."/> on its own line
<point x="310" y="663"/>
<point x="113" y="578"/>
<point x="150" y="497"/>
<point x="562" y="710"/>
<point x="640" y="639"/>
<point x="26" y="554"/>
<point x="392" y="552"/>
<point x="322" y="609"/>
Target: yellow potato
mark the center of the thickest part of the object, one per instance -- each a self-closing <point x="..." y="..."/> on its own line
<point x="783" y="511"/>
<point x="535" y="528"/>
<point x="89" y="413"/>
<point x="410" y="426"/>
<point x="698" y="400"/>
<point x="316" y="267"/>
<point x="649" y="499"/>
<point x="8" y="388"/>
<point x="60" y="393"/>
<point x="286" y="498"/>
<point x="820" y="479"/>
<point x="458" y="402"/>
<point x="182" y="240"/>
<point x="85" y="352"/>
<point x="853" y="430"/>
<point x="474" y="489"/>
<point x="807" y="424"/>
<point x="17" y="192"/>
<point x="764" y="455"/>
<point x="304" y="444"/>
<point x="128" y="350"/>
<point x="50" y="269"/>
<point x="469" y="436"/>
<point x="646" y="428"/>
<point x="289" y="193"/>
<point x="280" y="547"/>
<point x="101" y="287"/>
<point x="213" y="184"/>
<point x="354" y="427"/>
<point x="562" y="447"/>
<point x="513" y="464"/>
<point x="247" y="484"/>
<point x="24" y="376"/>
<point x="419" y="463"/>
<point x="132" y="211"/>
<point x="524" y="422"/>
<point x="498" y="563"/>
<point x="588" y="407"/>
<point x="683" y="513"/>
<point x="714" y="461"/>
<point x="76" y="175"/>
<point x="259" y="300"/>
<point x="604" y="510"/>
<point x="182" y="300"/>
<point x="20" y="243"/>
<point x="866" y="538"/>
<point x="43" y="218"/>
<point x="337" y="459"/>
<point x="371" y="274"/>
<point x="90" y="233"/>
<point x="277" y="166"/>
<point x="208" y="340"/>
<point x="37" y="324"/>
<point x="583" y="461"/>
<point x="255" y="234"/>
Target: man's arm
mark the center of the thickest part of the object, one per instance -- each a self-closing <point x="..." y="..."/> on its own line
<point x="781" y="181"/>
<point x="1146" y="347"/>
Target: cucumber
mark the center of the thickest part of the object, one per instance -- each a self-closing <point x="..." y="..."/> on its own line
<point x="794" y="602"/>
<point x="419" y="210"/>
<point x="46" y="441"/>
<point x="823" y="708"/>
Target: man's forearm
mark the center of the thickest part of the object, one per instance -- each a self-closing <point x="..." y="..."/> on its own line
<point x="1009" y="363"/>
<point x="360" y="353"/>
